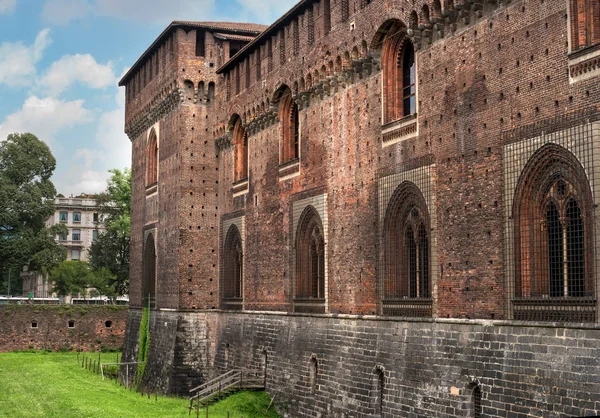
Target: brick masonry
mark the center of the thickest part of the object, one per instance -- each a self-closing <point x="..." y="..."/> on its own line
<point x="523" y="369"/>
<point x="89" y="331"/>
<point x="482" y="73"/>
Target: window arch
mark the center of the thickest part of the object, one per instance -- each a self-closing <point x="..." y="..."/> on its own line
<point x="399" y="72"/>
<point x="289" y="125"/>
<point x="233" y="269"/>
<point x="152" y="159"/>
<point x="406" y="243"/>
<point x="149" y="272"/>
<point x="240" y="142"/>
<point x="585" y="23"/>
<point x="310" y="259"/>
<point x="553" y="233"/>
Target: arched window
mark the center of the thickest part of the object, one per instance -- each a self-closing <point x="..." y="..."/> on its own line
<point x="240" y="142"/>
<point x="310" y="262"/>
<point x="553" y="231"/>
<point x="233" y="269"/>
<point x="289" y="125"/>
<point x="399" y="72"/>
<point x="149" y="273"/>
<point x="585" y="23"/>
<point x="406" y="254"/>
<point x="152" y="159"/>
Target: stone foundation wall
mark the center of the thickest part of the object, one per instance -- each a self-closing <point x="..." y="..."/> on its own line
<point x="43" y="327"/>
<point x="429" y="366"/>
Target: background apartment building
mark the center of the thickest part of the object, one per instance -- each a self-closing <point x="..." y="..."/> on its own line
<point x="83" y="219"/>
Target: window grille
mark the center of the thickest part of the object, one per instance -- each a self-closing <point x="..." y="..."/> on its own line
<point x="550" y="217"/>
<point x="233" y="269"/>
<point x="308" y="233"/>
<point x="405" y="267"/>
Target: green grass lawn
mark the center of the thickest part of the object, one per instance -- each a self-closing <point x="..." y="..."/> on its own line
<point x="54" y="385"/>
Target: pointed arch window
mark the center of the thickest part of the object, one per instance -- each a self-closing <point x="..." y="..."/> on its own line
<point x="289" y="126"/>
<point x="399" y="73"/>
<point x="240" y="142"/>
<point x="406" y="242"/>
<point x="152" y="159"/>
<point x="310" y="263"/>
<point x="233" y="270"/>
<point x="553" y="231"/>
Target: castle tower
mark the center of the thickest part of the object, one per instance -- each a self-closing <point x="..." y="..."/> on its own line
<point x="170" y="93"/>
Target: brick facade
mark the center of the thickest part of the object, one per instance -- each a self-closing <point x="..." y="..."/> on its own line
<point x="495" y="82"/>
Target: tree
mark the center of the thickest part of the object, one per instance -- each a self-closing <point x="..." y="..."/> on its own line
<point x="111" y="249"/>
<point x="74" y="276"/>
<point x="26" y="203"/>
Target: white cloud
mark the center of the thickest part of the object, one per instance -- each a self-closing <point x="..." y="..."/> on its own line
<point x="70" y="69"/>
<point x="45" y="117"/>
<point x="7" y="6"/>
<point x="17" y="60"/>
<point x="61" y="12"/>
<point x="112" y="150"/>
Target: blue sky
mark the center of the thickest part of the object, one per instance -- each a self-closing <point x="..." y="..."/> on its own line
<point x="60" y="61"/>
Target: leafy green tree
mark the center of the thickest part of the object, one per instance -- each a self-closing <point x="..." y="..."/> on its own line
<point x="73" y="276"/>
<point x="111" y="249"/>
<point x="26" y="203"/>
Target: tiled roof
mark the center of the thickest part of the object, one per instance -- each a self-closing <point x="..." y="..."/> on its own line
<point x="233" y="37"/>
<point x="232" y="26"/>
<point x="243" y="30"/>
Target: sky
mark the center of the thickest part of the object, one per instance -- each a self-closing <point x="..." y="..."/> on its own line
<point x="61" y="60"/>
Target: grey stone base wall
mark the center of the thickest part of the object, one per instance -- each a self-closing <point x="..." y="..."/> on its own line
<point x="429" y="366"/>
<point x="178" y="355"/>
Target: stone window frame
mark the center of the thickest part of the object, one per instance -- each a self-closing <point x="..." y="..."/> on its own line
<point x="420" y="175"/>
<point x="406" y="236"/>
<point x="313" y="203"/>
<point x="577" y="142"/>
<point x="233" y="221"/>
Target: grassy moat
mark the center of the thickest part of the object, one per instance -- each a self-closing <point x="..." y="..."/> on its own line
<point x="42" y="384"/>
